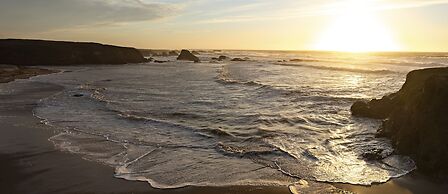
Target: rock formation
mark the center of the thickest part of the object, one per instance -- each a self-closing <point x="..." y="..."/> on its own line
<point x="238" y="59"/>
<point x="220" y="58"/>
<point x="42" y="52"/>
<point x="416" y="119"/>
<point x="186" y="55"/>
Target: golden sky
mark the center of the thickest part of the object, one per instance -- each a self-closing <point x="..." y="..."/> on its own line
<point x="347" y="25"/>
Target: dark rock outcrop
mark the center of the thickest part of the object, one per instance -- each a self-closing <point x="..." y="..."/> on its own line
<point x="416" y="119"/>
<point x="220" y="58"/>
<point x="303" y="60"/>
<point x="238" y="59"/>
<point x="186" y="55"/>
<point x="159" y="61"/>
<point x="43" y="52"/>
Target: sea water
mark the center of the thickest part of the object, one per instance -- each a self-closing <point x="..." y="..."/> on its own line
<point x="269" y="120"/>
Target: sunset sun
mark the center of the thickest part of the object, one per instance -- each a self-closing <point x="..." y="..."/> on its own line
<point x="356" y="29"/>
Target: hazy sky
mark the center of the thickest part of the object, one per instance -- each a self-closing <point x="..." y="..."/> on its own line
<point x="414" y="25"/>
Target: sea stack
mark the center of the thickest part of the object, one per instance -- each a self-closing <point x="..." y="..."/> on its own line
<point x="43" y="52"/>
<point x="186" y="55"/>
<point x="416" y="119"/>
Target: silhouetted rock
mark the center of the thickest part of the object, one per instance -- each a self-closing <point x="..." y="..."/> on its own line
<point x="416" y="119"/>
<point x="185" y="55"/>
<point x="159" y="61"/>
<point x="304" y="60"/>
<point x="78" y="95"/>
<point x="222" y="58"/>
<point x="238" y="59"/>
<point x="42" y="52"/>
<point x="375" y="154"/>
<point x="378" y="109"/>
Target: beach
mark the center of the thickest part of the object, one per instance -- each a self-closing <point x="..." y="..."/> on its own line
<point x="32" y="164"/>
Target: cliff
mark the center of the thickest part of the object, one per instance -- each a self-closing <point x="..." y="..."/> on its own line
<point x="43" y="52"/>
<point x="416" y="119"/>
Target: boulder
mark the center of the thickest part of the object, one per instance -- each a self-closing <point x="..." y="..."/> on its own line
<point x="43" y="52"/>
<point x="238" y="59"/>
<point x="378" y="109"/>
<point x="416" y="119"/>
<point x="159" y="61"/>
<point x="186" y="55"/>
<point x="222" y="58"/>
<point x="303" y="60"/>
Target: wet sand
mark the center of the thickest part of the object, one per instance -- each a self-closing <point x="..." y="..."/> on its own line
<point x="30" y="163"/>
<point x="413" y="183"/>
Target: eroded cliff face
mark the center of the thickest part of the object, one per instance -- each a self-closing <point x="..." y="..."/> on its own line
<point x="416" y="119"/>
<point x="42" y="52"/>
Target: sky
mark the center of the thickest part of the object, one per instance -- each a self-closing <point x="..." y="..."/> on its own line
<point x="346" y="25"/>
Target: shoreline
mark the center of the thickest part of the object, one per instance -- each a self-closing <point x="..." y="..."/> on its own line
<point x="32" y="164"/>
<point x="9" y="73"/>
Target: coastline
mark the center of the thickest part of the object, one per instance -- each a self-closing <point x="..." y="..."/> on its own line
<point x="32" y="164"/>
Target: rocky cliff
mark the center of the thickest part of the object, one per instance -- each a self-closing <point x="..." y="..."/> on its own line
<point x="43" y="52"/>
<point x="416" y="119"/>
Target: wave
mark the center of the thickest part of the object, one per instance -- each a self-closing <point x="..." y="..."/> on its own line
<point x="382" y="71"/>
<point x="224" y="77"/>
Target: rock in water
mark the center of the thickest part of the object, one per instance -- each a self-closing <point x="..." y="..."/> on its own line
<point x="416" y="119"/>
<point x="186" y="55"/>
<point x="222" y="58"/>
<point x="43" y="52"/>
<point x="238" y="59"/>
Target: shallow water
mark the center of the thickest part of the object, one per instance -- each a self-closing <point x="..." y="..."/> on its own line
<point x="261" y="122"/>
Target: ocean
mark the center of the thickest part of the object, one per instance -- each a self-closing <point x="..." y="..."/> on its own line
<point x="270" y="120"/>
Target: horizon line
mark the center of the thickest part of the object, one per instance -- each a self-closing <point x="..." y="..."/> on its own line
<point x="237" y="49"/>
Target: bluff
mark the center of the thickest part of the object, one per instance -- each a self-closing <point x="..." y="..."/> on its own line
<point x="416" y="119"/>
<point x="44" y="52"/>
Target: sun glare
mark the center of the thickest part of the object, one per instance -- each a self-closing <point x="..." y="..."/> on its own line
<point x="356" y="29"/>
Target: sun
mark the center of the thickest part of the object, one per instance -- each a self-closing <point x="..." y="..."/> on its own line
<point x="356" y="28"/>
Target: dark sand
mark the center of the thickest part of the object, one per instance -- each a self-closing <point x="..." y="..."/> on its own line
<point x="30" y="163"/>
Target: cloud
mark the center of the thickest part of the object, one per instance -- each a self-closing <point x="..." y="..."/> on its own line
<point x="290" y="9"/>
<point x="42" y="15"/>
<point x="402" y="4"/>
